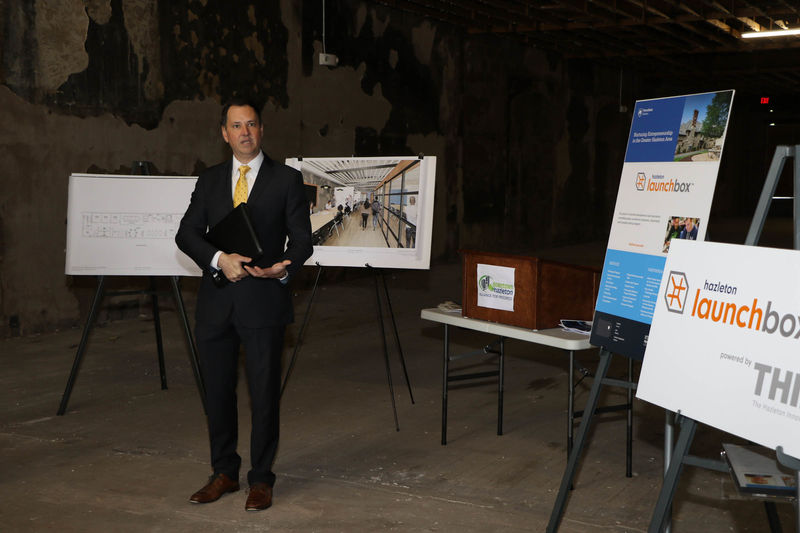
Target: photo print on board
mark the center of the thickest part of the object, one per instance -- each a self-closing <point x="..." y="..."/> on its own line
<point x="374" y="211"/>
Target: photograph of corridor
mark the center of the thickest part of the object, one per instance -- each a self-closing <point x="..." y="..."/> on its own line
<point x="363" y="202"/>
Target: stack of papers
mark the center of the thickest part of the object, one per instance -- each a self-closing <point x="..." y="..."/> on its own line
<point x="449" y="307"/>
<point x="755" y="470"/>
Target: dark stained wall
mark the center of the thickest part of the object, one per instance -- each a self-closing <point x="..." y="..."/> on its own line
<point x="530" y="126"/>
<point x="529" y="145"/>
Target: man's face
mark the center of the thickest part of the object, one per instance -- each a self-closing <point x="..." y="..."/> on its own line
<point x="243" y="131"/>
<point x="689" y="224"/>
<point x="676" y="222"/>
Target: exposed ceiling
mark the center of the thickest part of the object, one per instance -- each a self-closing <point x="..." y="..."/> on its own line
<point x="363" y="174"/>
<point x="684" y="40"/>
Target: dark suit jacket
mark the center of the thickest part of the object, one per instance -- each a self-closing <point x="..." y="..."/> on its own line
<point x="278" y="209"/>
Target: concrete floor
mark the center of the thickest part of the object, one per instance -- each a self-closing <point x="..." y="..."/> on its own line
<point x="127" y="455"/>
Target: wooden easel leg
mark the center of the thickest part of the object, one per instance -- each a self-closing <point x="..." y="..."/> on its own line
<point x="583" y="430"/>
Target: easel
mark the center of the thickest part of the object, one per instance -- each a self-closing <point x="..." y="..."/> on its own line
<point x="376" y="274"/>
<point x="678" y="456"/>
<point x="144" y="169"/>
<point x="587" y="415"/>
<point x="793" y="463"/>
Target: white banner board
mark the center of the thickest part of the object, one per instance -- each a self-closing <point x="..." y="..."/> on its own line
<point x="665" y="193"/>
<point x="125" y="225"/>
<point x="724" y="346"/>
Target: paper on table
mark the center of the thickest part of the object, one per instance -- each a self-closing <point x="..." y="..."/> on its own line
<point x="449" y="307"/>
<point x="583" y="327"/>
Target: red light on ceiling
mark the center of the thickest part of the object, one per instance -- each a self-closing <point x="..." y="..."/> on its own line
<point x="765" y="99"/>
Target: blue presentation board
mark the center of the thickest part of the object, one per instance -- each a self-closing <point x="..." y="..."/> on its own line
<point x="666" y="188"/>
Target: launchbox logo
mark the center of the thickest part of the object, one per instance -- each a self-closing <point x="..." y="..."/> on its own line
<point x="676" y="292"/>
<point x="755" y="315"/>
<point x="658" y="183"/>
<point x="641" y="181"/>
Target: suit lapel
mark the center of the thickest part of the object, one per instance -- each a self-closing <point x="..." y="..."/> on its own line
<point x="225" y="195"/>
<point x="262" y="181"/>
<point x="220" y="201"/>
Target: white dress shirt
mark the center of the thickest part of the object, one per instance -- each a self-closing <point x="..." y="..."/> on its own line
<point x="252" y="174"/>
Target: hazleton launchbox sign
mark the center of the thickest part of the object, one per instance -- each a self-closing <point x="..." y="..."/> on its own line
<point x="724" y="345"/>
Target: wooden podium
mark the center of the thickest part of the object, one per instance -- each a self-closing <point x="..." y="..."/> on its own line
<point x="544" y="291"/>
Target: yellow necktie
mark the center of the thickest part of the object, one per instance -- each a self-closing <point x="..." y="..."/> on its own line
<point x="240" y="192"/>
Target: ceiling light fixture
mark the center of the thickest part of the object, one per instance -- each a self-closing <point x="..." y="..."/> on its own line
<point x="776" y="33"/>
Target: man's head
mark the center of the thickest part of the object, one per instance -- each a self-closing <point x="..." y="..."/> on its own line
<point x="242" y="128"/>
<point x="689" y="224"/>
<point x="413" y="200"/>
<point x="676" y="221"/>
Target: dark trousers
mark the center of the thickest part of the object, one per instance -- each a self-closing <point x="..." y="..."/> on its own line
<point x="218" y="350"/>
<point x="411" y="237"/>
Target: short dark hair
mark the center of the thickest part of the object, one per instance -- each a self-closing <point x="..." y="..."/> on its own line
<point x="239" y="101"/>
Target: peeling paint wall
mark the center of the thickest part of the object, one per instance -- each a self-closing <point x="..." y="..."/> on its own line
<point x="60" y="30"/>
<point x="93" y="85"/>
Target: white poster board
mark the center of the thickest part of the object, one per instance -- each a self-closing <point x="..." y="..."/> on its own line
<point x="724" y="345"/>
<point x="398" y="235"/>
<point x="125" y="225"/>
<point x="665" y="193"/>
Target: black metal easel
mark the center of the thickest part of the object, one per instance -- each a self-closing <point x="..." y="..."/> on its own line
<point x="376" y="273"/>
<point x="144" y="169"/>
<point x="680" y="454"/>
<point x="581" y="438"/>
<point x="793" y="463"/>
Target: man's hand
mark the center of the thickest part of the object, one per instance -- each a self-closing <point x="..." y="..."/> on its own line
<point x="231" y="266"/>
<point x="277" y="271"/>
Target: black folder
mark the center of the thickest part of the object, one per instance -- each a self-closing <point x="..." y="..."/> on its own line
<point x="235" y="234"/>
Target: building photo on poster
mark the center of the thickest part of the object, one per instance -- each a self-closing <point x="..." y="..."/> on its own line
<point x="665" y="193"/>
<point x="375" y="211"/>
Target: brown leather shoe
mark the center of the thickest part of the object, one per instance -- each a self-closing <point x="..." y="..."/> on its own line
<point x="214" y="489"/>
<point x="260" y="497"/>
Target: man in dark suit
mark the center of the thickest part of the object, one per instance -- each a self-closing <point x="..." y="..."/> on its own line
<point x="253" y="308"/>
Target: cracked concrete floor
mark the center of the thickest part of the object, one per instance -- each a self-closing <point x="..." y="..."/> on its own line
<point x="127" y="455"/>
